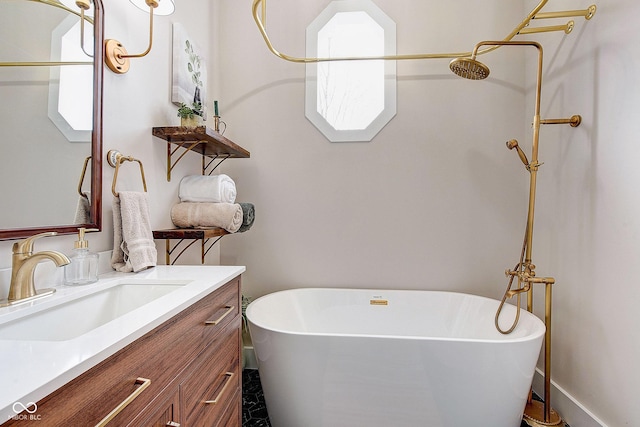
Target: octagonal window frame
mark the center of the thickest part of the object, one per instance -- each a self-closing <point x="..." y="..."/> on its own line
<point x="388" y="26"/>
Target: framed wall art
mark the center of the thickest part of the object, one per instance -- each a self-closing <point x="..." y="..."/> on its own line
<point x="189" y="69"/>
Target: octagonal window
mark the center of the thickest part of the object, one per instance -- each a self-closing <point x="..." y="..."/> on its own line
<point x="71" y="86"/>
<point x="351" y="100"/>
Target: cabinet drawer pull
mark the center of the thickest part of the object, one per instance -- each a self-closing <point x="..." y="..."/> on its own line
<point x="229" y="376"/>
<point x="144" y="383"/>
<point x="219" y="319"/>
<point x="172" y="424"/>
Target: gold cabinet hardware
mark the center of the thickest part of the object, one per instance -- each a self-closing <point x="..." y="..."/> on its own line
<point x="172" y="424"/>
<point x="229" y="376"/>
<point x="229" y="308"/>
<point x="144" y="383"/>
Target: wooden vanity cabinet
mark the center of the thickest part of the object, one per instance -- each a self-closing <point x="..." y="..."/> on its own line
<point x="185" y="372"/>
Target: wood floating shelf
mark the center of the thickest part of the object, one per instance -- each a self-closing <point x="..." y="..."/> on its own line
<point x="200" y="139"/>
<point x="194" y="234"/>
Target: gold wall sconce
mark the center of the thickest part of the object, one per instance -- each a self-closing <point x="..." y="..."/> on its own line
<point x="116" y="56"/>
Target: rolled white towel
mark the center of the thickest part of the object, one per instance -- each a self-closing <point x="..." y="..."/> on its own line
<point x="208" y="189"/>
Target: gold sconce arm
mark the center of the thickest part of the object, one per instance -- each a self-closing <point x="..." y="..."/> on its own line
<point x="84" y="5"/>
<point x="116" y="56"/>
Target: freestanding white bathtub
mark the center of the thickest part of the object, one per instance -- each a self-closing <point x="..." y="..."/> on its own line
<point x="347" y="357"/>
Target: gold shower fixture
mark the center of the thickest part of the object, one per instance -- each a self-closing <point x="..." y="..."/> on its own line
<point x="259" y="12"/>
<point x="536" y="413"/>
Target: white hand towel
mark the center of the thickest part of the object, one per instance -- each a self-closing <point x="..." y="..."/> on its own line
<point x="210" y="189"/>
<point x="133" y="245"/>
<point x="197" y="215"/>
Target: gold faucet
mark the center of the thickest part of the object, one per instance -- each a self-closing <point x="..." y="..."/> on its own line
<point x="24" y="262"/>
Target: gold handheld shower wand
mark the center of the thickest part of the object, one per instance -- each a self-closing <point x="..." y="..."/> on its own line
<point x="511" y="144"/>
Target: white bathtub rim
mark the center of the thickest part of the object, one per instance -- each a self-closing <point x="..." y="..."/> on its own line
<point x="540" y="328"/>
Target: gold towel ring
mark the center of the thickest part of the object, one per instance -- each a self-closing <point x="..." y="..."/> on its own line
<point x="115" y="159"/>
<point x="84" y="171"/>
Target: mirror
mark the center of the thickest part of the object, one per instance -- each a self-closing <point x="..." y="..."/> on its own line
<point x="44" y="84"/>
<point x="351" y="100"/>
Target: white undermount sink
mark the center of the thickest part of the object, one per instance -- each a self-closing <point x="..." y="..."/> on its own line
<point x="72" y="319"/>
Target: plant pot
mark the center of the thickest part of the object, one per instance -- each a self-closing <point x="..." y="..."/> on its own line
<point x="190" y="122"/>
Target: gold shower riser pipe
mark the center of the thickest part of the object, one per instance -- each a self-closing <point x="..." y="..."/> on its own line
<point x="586" y="13"/>
<point x="573" y="121"/>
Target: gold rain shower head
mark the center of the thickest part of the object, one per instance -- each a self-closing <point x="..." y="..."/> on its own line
<point x="469" y="68"/>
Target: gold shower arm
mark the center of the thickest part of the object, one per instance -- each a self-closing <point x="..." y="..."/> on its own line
<point x="519" y="29"/>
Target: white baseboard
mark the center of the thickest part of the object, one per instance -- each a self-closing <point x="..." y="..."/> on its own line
<point x="571" y="411"/>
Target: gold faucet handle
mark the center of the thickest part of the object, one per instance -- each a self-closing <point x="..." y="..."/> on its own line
<point x="26" y="246"/>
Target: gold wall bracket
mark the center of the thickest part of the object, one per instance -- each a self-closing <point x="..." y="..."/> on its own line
<point x="586" y="13"/>
<point x="193" y="234"/>
<point x="574" y="121"/>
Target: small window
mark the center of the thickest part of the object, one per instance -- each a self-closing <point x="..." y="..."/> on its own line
<point x="351" y="100"/>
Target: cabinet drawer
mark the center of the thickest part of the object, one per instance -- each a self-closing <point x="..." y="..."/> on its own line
<point x="165" y="413"/>
<point x="233" y="415"/>
<point x="212" y="315"/>
<point x="214" y="380"/>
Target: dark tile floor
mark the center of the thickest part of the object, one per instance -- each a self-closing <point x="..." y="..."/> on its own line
<point x="254" y="410"/>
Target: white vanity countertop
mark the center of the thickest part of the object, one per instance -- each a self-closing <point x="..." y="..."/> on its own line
<point x="30" y="370"/>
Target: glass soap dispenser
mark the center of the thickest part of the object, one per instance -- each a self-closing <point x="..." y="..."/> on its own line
<point x="83" y="268"/>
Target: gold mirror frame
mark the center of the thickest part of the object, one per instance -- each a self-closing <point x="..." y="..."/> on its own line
<point x="96" y="144"/>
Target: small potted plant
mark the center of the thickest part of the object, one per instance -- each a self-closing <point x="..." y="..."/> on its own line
<point x="190" y="116"/>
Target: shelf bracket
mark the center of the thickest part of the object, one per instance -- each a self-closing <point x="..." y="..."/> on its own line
<point x="169" y="250"/>
<point x="208" y="236"/>
<point x="205" y="164"/>
<point x="187" y="147"/>
<point x="206" y="250"/>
